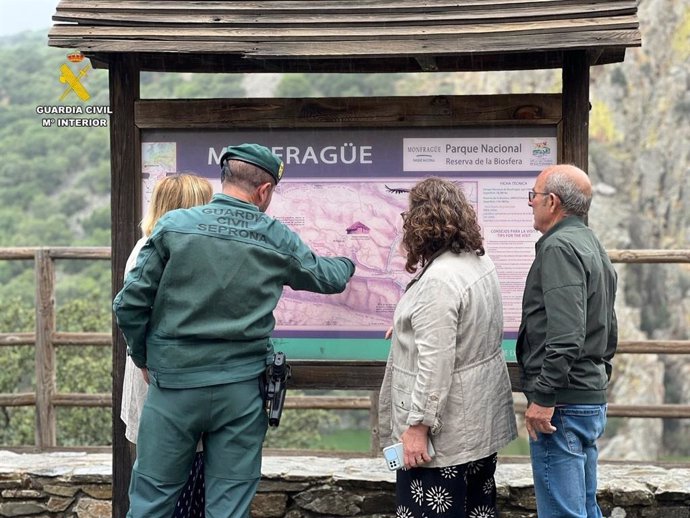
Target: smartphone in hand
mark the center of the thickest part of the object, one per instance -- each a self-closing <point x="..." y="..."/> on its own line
<point x="394" y="455"/>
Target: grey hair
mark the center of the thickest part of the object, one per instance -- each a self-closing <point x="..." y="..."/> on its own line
<point x="574" y="201"/>
<point x="247" y="176"/>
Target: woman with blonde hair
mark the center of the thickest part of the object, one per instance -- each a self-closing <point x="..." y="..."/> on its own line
<point x="446" y="380"/>
<point x="176" y="191"/>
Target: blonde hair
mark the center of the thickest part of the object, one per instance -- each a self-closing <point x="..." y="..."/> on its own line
<point x="179" y="191"/>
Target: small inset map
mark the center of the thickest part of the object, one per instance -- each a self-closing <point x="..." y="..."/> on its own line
<point x="157" y="160"/>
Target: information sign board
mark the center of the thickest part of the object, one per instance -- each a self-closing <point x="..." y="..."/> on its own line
<point x="343" y="191"/>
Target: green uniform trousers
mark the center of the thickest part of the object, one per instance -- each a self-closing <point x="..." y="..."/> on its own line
<point x="232" y="421"/>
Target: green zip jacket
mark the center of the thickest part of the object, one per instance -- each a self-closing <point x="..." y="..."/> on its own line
<point x="568" y="333"/>
<point x="197" y="309"/>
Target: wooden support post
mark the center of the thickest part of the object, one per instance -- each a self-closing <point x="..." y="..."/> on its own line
<point x="45" y="352"/>
<point x="575" y="127"/>
<point x="125" y="163"/>
<point x="374" y="424"/>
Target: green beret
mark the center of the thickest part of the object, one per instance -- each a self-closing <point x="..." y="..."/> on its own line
<point x="257" y="155"/>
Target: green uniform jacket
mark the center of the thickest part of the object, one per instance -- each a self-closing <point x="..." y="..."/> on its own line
<point x="568" y="333"/>
<point x="197" y="309"/>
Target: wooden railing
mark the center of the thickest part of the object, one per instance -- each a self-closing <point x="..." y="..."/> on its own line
<point x="46" y="338"/>
<point x="307" y="374"/>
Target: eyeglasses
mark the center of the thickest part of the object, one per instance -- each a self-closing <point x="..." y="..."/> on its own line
<point x="532" y="194"/>
<point x="403" y="215"/>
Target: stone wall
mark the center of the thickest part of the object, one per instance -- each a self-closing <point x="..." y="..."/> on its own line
<point x="78" y="485"/>
<point x="55" y="484"/>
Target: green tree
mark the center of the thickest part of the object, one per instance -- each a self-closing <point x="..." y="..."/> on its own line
<point x="17" y="374"/>
<point x="300" y="429"/>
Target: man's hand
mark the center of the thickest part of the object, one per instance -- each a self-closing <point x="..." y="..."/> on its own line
<point x="538" y="419"/>
<point x="145" y="373"/>
<point x="414" y="441"/>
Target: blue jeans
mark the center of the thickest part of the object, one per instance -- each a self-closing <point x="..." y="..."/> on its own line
<point x="564" y="464"/>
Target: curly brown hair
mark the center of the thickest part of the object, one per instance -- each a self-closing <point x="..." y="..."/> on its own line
<point x="439" y="218"/>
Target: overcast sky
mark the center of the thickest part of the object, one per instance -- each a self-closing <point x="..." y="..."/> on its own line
<point x="24" y="15"/>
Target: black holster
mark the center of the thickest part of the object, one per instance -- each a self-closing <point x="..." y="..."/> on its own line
<point x="274" y="387"/>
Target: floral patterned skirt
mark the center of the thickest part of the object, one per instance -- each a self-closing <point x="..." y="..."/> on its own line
<point x="462" y="491"/>
<point x="190" y="504"/>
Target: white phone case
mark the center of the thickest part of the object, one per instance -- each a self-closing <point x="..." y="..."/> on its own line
<point x="395" y="457"/>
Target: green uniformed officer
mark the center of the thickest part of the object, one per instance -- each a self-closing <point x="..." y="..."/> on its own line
<point x="197" y="314"/>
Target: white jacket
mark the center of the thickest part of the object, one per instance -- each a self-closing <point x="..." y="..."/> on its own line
<point x="446" y="368"/>
<point x="134" y="388"/>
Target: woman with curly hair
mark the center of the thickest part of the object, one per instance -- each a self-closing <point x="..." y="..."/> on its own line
<point x="446" y="379"/>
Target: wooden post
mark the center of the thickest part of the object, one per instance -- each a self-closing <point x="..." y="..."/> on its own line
<point x="575" y="127"/>
<point x="45" y="352"/>
<point x="374" y="424"/>
<point x="125" y="163"/>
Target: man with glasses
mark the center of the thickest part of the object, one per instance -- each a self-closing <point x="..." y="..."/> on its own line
<point x="565" y="345"/>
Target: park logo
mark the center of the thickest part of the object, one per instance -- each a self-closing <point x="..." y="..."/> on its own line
<point x="540" y="148"/>
<point x="72" y="80"/>
<point x="542" y="153"/>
